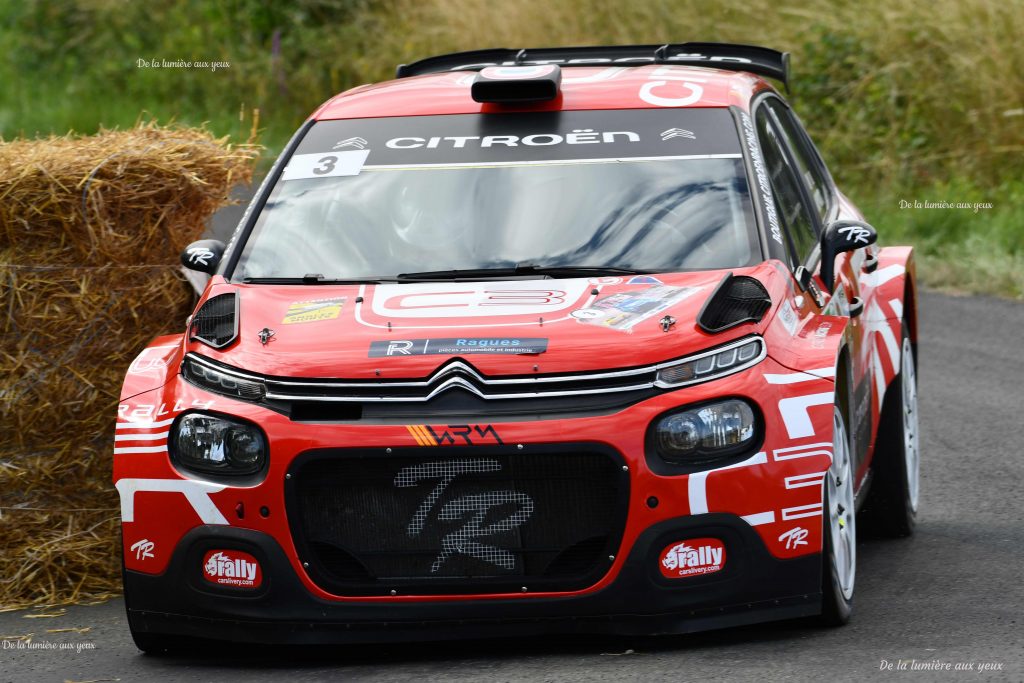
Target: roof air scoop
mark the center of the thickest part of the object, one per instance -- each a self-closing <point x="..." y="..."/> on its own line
<point x="515" y="84"/>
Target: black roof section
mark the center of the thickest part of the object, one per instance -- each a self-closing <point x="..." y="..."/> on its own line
<point x="762" y="61"/>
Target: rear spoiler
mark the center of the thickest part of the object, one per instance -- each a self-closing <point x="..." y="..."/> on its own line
<point x="762" y="61"/>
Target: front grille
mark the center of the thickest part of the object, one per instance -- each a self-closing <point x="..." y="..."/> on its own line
<point x="457" y="520"/>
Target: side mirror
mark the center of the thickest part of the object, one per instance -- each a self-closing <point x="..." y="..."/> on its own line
<point x="838" y="237"/>
<point x="204" y="256"/>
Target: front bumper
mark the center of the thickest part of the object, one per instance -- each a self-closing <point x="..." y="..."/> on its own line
<point x="754" y="587"/>
<point x="754" y="507"/>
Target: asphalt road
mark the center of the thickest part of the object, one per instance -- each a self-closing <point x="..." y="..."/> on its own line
<point x="951" y="594"/>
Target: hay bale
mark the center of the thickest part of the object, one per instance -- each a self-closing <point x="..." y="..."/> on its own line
<point x="90" y="232"/>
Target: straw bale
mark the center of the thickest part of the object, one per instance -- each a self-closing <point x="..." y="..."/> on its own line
<point x="90" y="232"/>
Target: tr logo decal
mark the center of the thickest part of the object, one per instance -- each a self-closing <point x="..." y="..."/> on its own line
<point x="855" y="233"/>
<point x="200" y="255"/>
<point x="143" y="549"/>
<point x="470" y="435"/>
<point x="795" y="537"/>
<point x="470" y="509"/>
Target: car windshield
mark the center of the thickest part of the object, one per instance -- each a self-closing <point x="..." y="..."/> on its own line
<point x="595" y="190"/>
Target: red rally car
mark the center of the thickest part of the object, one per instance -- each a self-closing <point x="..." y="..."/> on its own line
<point x="526" y="341"/>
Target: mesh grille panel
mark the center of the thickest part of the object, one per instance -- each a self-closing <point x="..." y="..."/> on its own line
<point x="738" y="300"/>
<point x="215" y="323"/>
<point x="458" y="519"/>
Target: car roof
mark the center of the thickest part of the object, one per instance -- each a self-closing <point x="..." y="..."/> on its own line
<point x="583" y="87"/>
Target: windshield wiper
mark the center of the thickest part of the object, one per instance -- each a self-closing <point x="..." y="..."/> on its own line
<point x="521" y="270"/>
<point x="317" y="279"/>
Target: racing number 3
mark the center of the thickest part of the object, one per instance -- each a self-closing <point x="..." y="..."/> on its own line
<point x="327" y="165"/>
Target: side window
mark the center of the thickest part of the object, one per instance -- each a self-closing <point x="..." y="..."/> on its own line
<point x="806" y="159"/>
<point x="796" y="216"/>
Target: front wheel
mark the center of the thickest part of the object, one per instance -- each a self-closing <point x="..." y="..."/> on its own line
<point x="891" y="508"/>
<point x="839" y="549"/>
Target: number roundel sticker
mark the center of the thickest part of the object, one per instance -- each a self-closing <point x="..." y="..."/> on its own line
<point x="325" y="164"/>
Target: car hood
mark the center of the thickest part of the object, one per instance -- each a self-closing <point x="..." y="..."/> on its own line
<point x="509" y="327"/>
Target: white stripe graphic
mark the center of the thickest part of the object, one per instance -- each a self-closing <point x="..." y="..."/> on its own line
<point x="888" y="273"/>
<point x="197" y="493"/>
<point x="697" y="483"/>
<point x="795" y="415"/>
<point x="897" y="307"/>
<point x="805" y="451"/>
<point x="760" y="518"/>
<point x="143" y="425"/>
<point x="142" y="449"/>
<point x="801" y="480"/>
<point x="698" y="492"/>
<point x="818" y="373"/>
<point x="141" y="437"/>
<point x="885" y="330"/>
<point x="800" y="511"/>
<point x="876" y="368"/>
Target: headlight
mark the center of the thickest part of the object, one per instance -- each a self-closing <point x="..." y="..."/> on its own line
<point x="727" y="360"/>
<point x="219" y="381"/>
<point x="215" y="445"/>
<point x="705" y="433"/>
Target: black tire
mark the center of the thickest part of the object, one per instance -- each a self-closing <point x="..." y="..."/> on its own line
<point x="891" y="509"/>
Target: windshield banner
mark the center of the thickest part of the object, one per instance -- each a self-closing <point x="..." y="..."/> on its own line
<point x="345" y="147"/>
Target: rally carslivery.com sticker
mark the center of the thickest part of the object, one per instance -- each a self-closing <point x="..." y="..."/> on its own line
<point x="312" y="311"/>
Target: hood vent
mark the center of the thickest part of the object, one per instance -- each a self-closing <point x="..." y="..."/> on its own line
<point x="216" y="322"/>
<point x="738" y="299"/>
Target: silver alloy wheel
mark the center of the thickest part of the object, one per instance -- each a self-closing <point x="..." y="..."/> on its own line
<point x="911" y="448"/>
<point x="842" y="515"/>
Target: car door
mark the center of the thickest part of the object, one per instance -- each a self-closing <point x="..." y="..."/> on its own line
<point x="806" y="202"/>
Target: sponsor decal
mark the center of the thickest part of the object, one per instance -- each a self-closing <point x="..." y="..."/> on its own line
<point x="605" y="280"/>
<point x="578" y="136"/>
<point x="232" y="568"/>
<point x="154" y="358"/>
<point x="312" y="311"/>
<point x="470" y="435"/>
<point x="787" y="316"/>
<point x="145" y="412"/>
<point x="694" y="557"/>
<point x="476" y="299"/>
<point x="343" y="147"/>
<point x="820" y="334"/>
<point x="672" y="87"/>
<point x="320" y="165"/>
<point x="472" y="510"/>
<point x="644" y="280"/>
<point x="762" y="178"/>
<point x="143" y="549"/>
<point x="794" y="538"/>
<point x="677" y="133"/>
<point x="622" y="311"/>
<point x="456" y="346"/>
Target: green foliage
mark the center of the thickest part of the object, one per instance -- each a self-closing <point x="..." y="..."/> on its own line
<point x="917" y="99"/>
